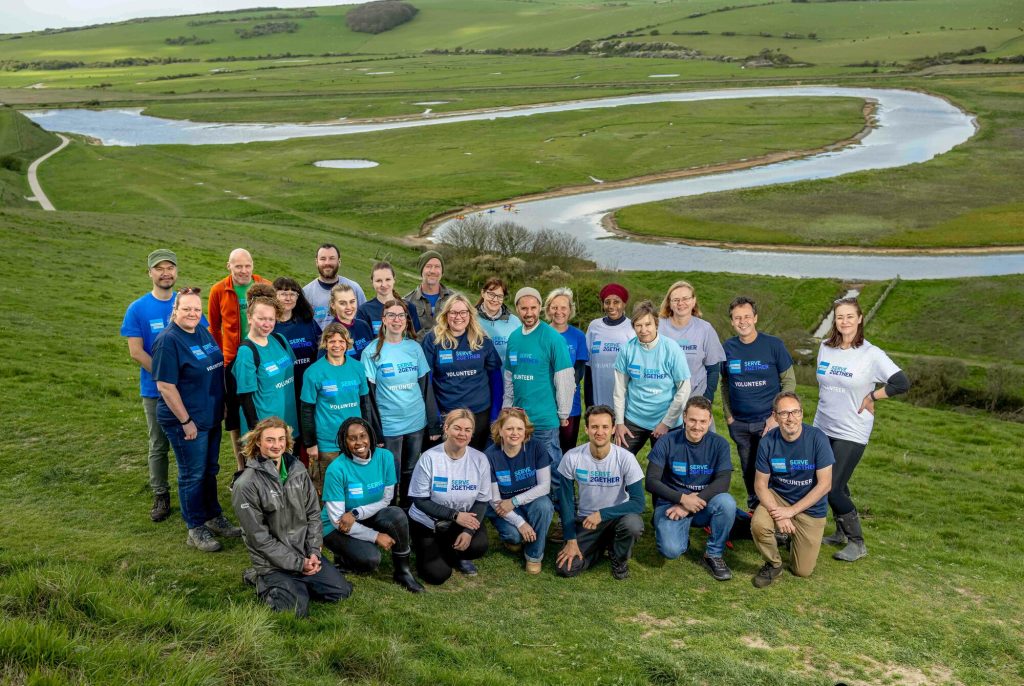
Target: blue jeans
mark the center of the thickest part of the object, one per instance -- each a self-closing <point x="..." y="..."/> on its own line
<point x="198" y="465"/>
<point x="537" y="514"/>
<point x="549" y="439"/>
<point x="673" y="536"/>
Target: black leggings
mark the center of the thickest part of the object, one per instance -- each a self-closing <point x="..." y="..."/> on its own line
<point x="847" y="454"/>
<point x="363" y="557"/>
<point x="569" y="435"/>
<point x="435" y="556"/>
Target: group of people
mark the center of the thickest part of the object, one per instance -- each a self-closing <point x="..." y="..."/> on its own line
<point x="404" y="424"/>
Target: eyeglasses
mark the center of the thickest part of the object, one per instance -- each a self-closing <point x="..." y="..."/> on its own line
<point x="785" y="414"/>
<point x="458" y="314"/>
<point x="394" y="315"/>
<point x="494" y="297"/>
<point x="289" y="294"/>
<point x="681" y="301"/>
<point x="189" y="290"/>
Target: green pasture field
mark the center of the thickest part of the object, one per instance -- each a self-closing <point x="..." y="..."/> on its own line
<point x="433" y="169"/>
<point x="92" y="592"/>
<point x="968" y="196"/>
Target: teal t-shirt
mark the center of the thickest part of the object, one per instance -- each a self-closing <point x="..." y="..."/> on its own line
<point x="243" y="307"/>
<point x="355" y="485"/>
<point x="397" y="373"/>
<point x="533" y="360"/>
<point x="653" y="377"/>
<point x="335" y="391"/>
<point x="273" y="384"/>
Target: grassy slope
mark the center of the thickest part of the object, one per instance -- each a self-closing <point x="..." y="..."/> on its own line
<point x="101" y="595"/>
<point x="969" y="196"/>
<point x="21" y="142"/>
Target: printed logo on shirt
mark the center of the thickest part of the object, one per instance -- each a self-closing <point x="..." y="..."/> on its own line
<point x="700" y="469"/>
<point x="755" y="366"/>
<point x="300" y="342"/>
<point x="210" y="348"/>
<point x="330" y="388"/>
<point x="595" y="347"/>
<point x="374" y="487"/>
<point x="655" y="373"/>
<point x="513" y="357"/>
<point x="525" y="473"/>
<point x="463" y="485"/>
<point x="582" y="475"/>
<point x="686" y="346"/>
<point x="445" y="357"/>
<point x="320" y="312"/>
<point x="500" y="341"/>
<point x="523" y="358"/>
<point x="634" y="371"/>
<point x="376" y="326"/>
<point x="387" y="370"/>
<point x="156" y="325"/>
<point x="464" y="355"/>
<point x="355" y="490"/>
<point x="679" y="468"/>
<point x="504" y="477"/>
<point x="440" y="484"/>
<point x="779" y="465"/>
<point x="840" y="371"/>
<point x="603" y="478"/>
<point x="822" y="368"/>
<point x="735" y="366"/>
<point x="271" y="368"/>
<point x="801" y="465"/>
<point x="610" y="347"/>
<point x="198" y="352"/>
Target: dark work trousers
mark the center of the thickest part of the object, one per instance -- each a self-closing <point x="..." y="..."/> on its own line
<point x="747" y="437"/>
<point x="362" y="557"/>
<point x="847" y="454"/>
<point x="435" y="556"/>
<point x="617" y="534"/>
<point x="640" y="436"/>
<point x="291" y="591"/>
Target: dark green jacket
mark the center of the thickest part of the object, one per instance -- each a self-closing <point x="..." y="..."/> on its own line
<point x="280" y="522"/>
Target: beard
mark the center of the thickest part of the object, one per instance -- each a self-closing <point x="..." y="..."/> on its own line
<point x="327" y="272"/>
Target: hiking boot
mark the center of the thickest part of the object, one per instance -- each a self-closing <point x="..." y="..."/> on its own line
<point x="202" y="540"/>
<point x="620" y="569"/>
<point x="555" y="533"/>
<point x="855" y="548"/>
<point x="766" y="575"/>
<point x="220" y="526"/>
<point x="717" y="568"/>
<point x="514" y="548"/>
<point x="161" y="507"/>
<point x="468" y="568"/>
<point x="838" y="538"/>
<point x="403" y="575"/>
<point x="249" y="577"/>
<point x="533" y="567"/>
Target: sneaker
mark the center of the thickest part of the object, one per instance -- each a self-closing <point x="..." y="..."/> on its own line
<point x="555" y="533"/>
<point x="515" y="548"/>
<point x="766" y="575"/>
<point x="717" y="568"/>
<point x="533" y="568"/>
<point x="161" y="507"/>
<point x="468" y="568"/>
<point x="201" y="539"/>
<point x="620" y="569"/>
<point x="220" y="526"/>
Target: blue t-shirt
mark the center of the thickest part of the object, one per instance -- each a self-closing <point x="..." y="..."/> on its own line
<point x="517" y="474"/>
<point x="689" y="467"/>
<point x="460" y="375"/>
<point x="752" y="375"/>
<point x="396" y="373"/>
<point x="372" y="313"/>
<point x="356" y="485"/>
<point x="578" y="352"/>
<point x="361" y="334"/>
<point x="335" y="390"/>
<point x="146" y="318"/>
<point x="195" y="365"/>
<point x="792" y="466"/>
<point x="272" y="384"/>
<point x="304" y="338"/>
<point x="432" y="299"/>
<point x="653" y="377"/>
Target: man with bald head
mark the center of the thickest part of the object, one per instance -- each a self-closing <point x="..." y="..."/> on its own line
<point x="229" y="326"/>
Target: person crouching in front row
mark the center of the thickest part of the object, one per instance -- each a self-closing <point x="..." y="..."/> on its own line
<point x="279" y="512"/>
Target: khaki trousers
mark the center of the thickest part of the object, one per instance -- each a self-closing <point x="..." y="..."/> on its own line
<point x="804" y="543"/>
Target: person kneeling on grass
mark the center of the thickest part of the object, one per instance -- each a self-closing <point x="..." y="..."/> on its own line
<point x="794" y="476"/>
<point x="611" y="500"/>
<point x="688" y="474"/>
<point x="358" y="521"/>
<point x="279" y="511"/>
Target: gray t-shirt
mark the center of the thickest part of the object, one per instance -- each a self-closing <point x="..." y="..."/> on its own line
<point x="602" y="483"/>
<point x="320" y="298"/>
<point x="457" y="484"/>
<point x="700" y="342"/>
<point x="604" y="343"/>
<point x="844" y="378"/>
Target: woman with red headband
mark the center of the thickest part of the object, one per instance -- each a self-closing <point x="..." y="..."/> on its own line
<point x="605" y="337"/>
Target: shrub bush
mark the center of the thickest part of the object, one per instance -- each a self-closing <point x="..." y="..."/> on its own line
<point x="380" y="16"/>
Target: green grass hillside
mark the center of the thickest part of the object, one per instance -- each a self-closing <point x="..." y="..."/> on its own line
<point x="21" y="141"/>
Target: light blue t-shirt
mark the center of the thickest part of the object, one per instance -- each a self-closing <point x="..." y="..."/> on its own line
<point x="335" y="391"/>
<point x="272" y="385"/>
<point x="653" y="377"/>
<point x="355" y="485"/>
<point x="499" y="331"/>
<point x="397" y="372"/>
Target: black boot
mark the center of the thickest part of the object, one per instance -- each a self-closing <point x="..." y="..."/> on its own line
<point x="403" y="575"/>
<point x="855" y="548"/>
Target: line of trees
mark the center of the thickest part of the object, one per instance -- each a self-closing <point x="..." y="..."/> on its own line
<point x="269" y="28"/>
<point x="380" y="16"/>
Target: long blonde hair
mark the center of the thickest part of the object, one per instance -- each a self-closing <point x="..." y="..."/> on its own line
<point x="251" y="440"/>
<point x="443" y="335"/>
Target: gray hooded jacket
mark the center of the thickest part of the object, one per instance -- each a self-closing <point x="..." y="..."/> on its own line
<point x="280" y="522"/>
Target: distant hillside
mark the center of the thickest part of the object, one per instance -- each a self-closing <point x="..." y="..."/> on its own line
<point x="21" y="141"/>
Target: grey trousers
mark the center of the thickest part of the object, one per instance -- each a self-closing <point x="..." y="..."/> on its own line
<point x="159" y="449"/>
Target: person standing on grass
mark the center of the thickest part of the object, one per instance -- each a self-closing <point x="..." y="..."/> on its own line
<point x="688" y="474"/>
<point x="611" y="500"/>
<point x="229" y="324"/>
<point x="520" y="483"/>
<point x="559" y="310"/>
<point x="344" y="307"/>
<point x="605" y="337"/>
<point x="298" y="326"/>
<point x="371" y="312"/>
<point x="430" y="295"/>
<point x="357" y="518"/>
<point x="188" y="368"/>
<point x="319" y="291"/>
<point x="794" y="476"/>
<point x="450" y="491"/>
<point x="497" y="320"/>
<point x="279" y="511"/>
<point x="465" y="369"/>
<point x="652" y="383"/>
<point x="143" y="321"/>
<point x="849" y="370"/>
<point x="757" y="368"/>
<point x="681" y="322"/>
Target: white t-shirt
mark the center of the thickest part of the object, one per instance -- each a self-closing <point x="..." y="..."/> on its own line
<point x="602" y="482"/>
<point x="457" y="484"/>
<point x="700" y="342"/>
<point x="604" y="343"/>
<point x="844" y="378"/>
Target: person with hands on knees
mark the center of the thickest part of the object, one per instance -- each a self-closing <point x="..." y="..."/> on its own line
<point x="688" y="474"/>
<point x="450" y="491"/>
<point x="794" y="477"/>
<point x="358" y="521"/>
<point x="611" y="499"/>
<point x="279" y="511"/>
<point x="520" y="482"/>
